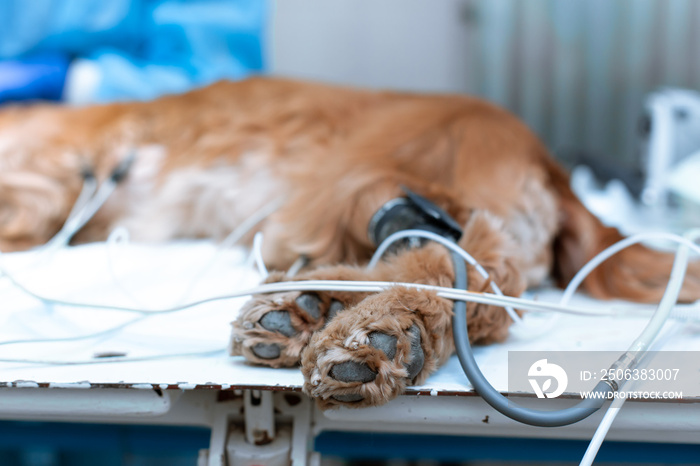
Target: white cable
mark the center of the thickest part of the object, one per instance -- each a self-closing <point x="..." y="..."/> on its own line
<point x="80" y="216"/>
<point x="316" y="285"/>
<point x="616" y="406"/>
<point x="328" y="285"/>
<point x="449" y="293"/>
<point x="324" y="285"/>
<point x="601" y="431"/>
<point x="448" y="244"/>
<point x="668" y="300"/>
<point x="298" y="264"/>
<point x="614" y="249"/>
<point x="485" y="297"/>
<point x="73" y="225"/>
<point x="231" y="240"/>
<point x="87" y="191"/>
<point x="88" y="336"/>
<point x="103" y="193"/>
<point x="570" y="289"/>
<point x="248" y="224"/>
<point x="257" y="254"/>
<point x="644" y="340"/>
<point x="586" y="270"/>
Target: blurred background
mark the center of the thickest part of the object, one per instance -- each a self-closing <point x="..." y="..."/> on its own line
<point x="591" y="77"/>
<point x="577" y="71"/>
<point x="582" y="73"/>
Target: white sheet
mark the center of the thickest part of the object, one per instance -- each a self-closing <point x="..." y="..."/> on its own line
<point x="164" y="275"/>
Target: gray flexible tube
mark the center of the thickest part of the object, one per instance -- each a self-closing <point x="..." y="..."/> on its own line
<point x="482" y="386"/>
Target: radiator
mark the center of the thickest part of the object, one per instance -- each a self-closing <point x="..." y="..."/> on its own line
<point x="578" y="70"/>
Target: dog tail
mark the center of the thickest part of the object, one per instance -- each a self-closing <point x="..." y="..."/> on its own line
<point x="636" y="273"/>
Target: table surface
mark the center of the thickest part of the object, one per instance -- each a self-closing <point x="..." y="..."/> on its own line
<point x="164" y="275"/>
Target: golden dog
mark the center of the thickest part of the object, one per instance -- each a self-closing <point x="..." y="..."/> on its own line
<point x="207" y="160"/>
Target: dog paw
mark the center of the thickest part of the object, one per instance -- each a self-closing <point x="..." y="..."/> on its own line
<point x="273" y="329"/>
<point x="369" y="354"/>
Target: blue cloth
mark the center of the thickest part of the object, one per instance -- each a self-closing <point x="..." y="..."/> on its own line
<point x="35" y="77"/>
<point x="142" y="48"/>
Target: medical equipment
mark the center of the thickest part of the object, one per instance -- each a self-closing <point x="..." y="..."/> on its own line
<point x="671" y="133"/>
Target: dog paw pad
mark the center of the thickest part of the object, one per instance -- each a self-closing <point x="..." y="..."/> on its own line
<point x="333" y="310"/>
<point x="384" y="342"/>
<point x="273" y="329"/>
<point x="278" y="321"/>
<point x="349" y="398"/>
<point x="266" y="350"/>
<point x="310" y="303"/>
<point x="417" y="355"/>
<point x="352" y="371"/>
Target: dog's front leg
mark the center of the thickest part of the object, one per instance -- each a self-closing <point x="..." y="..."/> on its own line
<point x="369" y="353"/>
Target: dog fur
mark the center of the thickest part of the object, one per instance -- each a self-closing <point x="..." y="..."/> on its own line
<point x="208" y="159"/>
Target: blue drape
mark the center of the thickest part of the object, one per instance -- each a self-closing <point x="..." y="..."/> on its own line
<point x="141" y="48"/>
